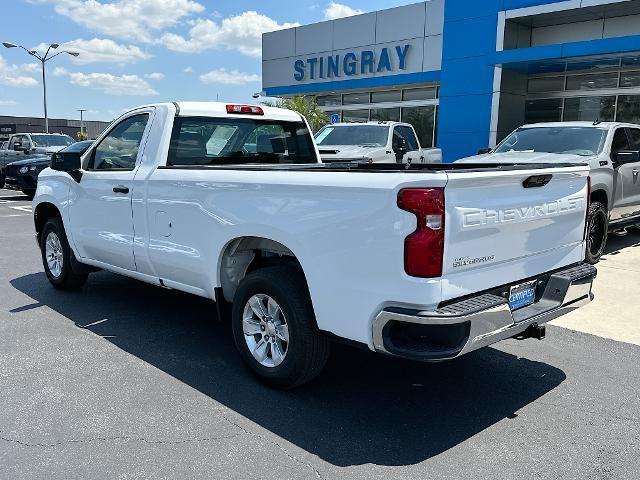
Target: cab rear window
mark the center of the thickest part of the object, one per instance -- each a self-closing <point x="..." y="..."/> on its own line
<point x="239" y="141"/>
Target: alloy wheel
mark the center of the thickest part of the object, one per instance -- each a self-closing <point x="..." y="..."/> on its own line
<point x="54" y="255"/>
<point x="265" y="329"/>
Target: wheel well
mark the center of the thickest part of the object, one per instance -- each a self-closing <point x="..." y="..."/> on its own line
<point x="246" y="254"/>
<point x="600" y="196"/>
<point x="42" y="214"/>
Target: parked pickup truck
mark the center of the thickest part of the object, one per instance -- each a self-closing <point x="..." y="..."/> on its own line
<point x="612" y="151"/>
<point x="373" y="142"/>
<point x="427" y="262"/>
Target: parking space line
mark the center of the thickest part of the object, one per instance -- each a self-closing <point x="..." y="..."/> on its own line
<point x="23" y="208"/>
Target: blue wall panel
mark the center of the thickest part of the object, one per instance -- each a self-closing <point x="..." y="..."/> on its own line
<point x="469" y="46"/>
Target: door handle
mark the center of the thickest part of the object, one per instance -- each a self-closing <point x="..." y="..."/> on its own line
<point x="120" y="189"/>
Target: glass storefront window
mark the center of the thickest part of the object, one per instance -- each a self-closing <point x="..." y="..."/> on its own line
<point x="329" y="100"/>
<point x="355" y="98"/>
<point x="422" y="119"/>
<point x="628" y="108"/>
<point x="629" y="79"/>
<point x="546" y="110"/>
<point x="547" y="84"/>
<point x="385" y="114"/>
<point x="388" y="96"/>
<point x="427" y="93"/>
<point x="589" y="109"/>
<point x="590" y="82"/>
<point x="358" y="116"/>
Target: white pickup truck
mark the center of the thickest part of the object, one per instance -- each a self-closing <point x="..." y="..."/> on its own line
<point x="373" y="142"/>
<point x="230" y="202"/>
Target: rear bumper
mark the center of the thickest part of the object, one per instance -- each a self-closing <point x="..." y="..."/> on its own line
<point x="462" y="326"/>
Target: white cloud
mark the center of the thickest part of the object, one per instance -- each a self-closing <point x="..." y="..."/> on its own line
<point x="229" y="77"/>
<point x="59" y="72"/>
<point x="188" y="70"/>
<point x="100" y="50"/>
<point x="338" y="10"/>
<point x="7" y="103"/>
<point x="18" y="75"/>
<point x="139" y="20"/>
<point x="154" y="76"/>
<point x="241" y="32"/>
<point x="113" y="84"/>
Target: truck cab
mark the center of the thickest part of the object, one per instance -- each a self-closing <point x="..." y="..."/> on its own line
<point x="373" y="142"/>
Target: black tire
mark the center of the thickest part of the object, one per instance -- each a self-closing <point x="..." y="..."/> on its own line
<point x="597" y="232"/>
<point x="307" y="351"/>
<point x="29" y="193"/>
<point x="2" y="177"/>
<point x="66" y="279"/>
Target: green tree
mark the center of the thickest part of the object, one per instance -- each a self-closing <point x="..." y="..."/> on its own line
<point x="306" y="106"/>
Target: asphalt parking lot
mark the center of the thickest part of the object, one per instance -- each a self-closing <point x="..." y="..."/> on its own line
<point x="124" y="380"/>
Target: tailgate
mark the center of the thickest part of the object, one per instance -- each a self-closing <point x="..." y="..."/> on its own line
<point x="498" y="231"/>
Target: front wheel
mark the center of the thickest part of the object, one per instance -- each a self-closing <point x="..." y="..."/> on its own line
<point x="56" y="257"/>
<point x="597" y="232"/>
<point x="274" y="327"/>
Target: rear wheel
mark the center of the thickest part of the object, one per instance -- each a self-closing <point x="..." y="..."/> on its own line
<point x="597" y="231"/>
<point x="2" y="181"/>
<point x="274" y="327"/>
<point x="56" y="257"/>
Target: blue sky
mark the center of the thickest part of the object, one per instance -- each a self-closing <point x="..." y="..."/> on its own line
<point x="134" y="52"/>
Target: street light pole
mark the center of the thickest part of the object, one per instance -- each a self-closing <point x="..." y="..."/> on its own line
<point x="82" y="110"/>
<point x="43" y="59"/>
<point x="44" y="98"/>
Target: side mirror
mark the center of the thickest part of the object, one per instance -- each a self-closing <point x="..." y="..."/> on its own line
<point x="625" y="156"/>
<point x="66" y="162"/>
<point x="401" y="148"/>
<point x="482" y="151"/>
<point x="17" y="147"/>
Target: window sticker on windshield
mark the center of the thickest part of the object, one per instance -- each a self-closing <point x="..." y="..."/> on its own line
<point x="219" y="139"/>
<point x="323" y="134"/>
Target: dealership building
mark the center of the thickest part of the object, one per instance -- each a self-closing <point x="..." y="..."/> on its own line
<point x="465" y="73"/>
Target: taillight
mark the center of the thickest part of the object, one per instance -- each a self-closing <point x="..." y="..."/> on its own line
<point x="586" y="217"/>
<point x="424" y="248"/>
<point x="245" y="109"/>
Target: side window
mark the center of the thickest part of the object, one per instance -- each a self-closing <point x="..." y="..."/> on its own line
<point x="26" y="142"/>
<point x="635" y="138"/>
<point x="12" y="142"/>
<point x="620" y="141"/>
<point x="410" y="137"/>
<point x="119" y="149"/>
<point x="397" y="139"/>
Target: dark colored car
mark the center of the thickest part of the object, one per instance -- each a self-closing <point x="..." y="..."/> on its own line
<point x="23" y="174"/>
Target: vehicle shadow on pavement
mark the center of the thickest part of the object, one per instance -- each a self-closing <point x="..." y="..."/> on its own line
<point x="364" y="408"/>
<point x="615" y="244"/>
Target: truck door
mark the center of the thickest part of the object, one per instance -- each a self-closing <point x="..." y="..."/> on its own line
<point x="405" y="145"/>
<point x="626" y="186"/>
<point x="100" y="214"/>
<point x="631" y="180"/>
<point x="21" y="141"/>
